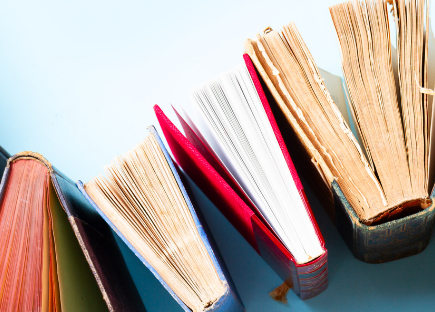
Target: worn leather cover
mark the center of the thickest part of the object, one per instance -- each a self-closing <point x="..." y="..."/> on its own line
<point x="384" y="242"/>
<point x="95" y="239"/>
<point x="230" y="301"/>
<point x="374" y="244"/>
<point x="219" y="186"/>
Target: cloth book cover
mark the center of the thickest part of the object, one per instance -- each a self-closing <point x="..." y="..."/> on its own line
<point x="230" y="301"/>
<point x="374" y="244"/>
<point x="307" y="280"/>
<point x="91" y="272"/>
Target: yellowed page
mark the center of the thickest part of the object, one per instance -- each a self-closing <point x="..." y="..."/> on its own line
<point x="335" y="87"/>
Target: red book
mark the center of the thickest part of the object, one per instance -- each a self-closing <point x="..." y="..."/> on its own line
<point x="190" y="152"/>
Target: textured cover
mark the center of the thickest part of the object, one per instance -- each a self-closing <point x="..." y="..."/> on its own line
<point x="95" y="239"/>
<point x="374" y="244"/>
<point x="230" y="301"/>
<point x="205" y="170"/>
<point x="384" y="242"/>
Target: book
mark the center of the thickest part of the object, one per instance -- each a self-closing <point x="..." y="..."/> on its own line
<point x="382" y="205"/>
<point x="60" y="254"/>
<point x="142" y="198"/>
<point x="306" y="275"/>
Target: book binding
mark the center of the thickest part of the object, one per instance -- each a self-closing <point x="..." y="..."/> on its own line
<point x="384" y="242"/>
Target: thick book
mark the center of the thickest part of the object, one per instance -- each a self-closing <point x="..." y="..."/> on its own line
<point x="374" y="244"/>
<point x="168" y="225"/>
<point x="378" y="178"/>
<point x="64" y="256"/>
<point x="212" y="177"/>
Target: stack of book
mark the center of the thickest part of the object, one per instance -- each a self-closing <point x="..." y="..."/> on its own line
<point x="249" y="133"/>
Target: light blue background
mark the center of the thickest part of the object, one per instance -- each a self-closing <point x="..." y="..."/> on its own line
<point x="77" y="83"/>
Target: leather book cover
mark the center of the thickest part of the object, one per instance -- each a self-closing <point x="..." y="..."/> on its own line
<point x="95" y="239"/>
<point x="230" y="301"/>
<point x="384" y="242"/>
<point x="374" y="244"/>
<point x="218" y="185"/>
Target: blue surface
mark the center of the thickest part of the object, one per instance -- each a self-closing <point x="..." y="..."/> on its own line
<point x="77" y="83"/>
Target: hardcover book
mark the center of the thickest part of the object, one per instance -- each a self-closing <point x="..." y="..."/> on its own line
<point x="142" y="198"/>
<point x="306" y="274"/>
<point x="59" y="254"/>
<point x="379" y="179"/>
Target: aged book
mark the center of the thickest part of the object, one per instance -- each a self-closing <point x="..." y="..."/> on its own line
<point x="379" y="176"/>
<point x="235" y="153"/>
<point x="57" y="253"/>
<point x="142" y="198"/>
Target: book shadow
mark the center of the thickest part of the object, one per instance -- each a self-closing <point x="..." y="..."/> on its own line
<point x="353" y="284"/>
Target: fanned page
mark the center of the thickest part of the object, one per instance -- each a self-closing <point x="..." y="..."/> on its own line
<point x="26" y="245"/>
<point x="141" y="197"/>
<point x="42" y="267"/>
<point x="363" y="32"/>
<point x="234" y="123"/>
<point x="289" y="70"/>
<point x="412" y="53"/>
<point x="391" y="117"/>
<point x="398" y="154"/>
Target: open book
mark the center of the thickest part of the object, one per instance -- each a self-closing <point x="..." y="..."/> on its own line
<point x="386" y="178"/>
<point x="234" y="152"/>
<point x="57" y="254"/>
<point x="142" y="198"/>
<point x="231" y="119"/>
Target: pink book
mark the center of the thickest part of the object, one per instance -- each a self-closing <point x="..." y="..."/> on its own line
<point x="192" y="154"/>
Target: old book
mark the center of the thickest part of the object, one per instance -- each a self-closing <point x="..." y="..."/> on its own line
<point x="243" y="166"/>
<point x="142" y="198"/>
<point x="381" y="186"/>
<point x="57" y="254"/>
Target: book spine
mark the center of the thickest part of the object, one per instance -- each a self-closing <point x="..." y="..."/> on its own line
<point x="313" y="277"/>
<point x="385" y="242"/>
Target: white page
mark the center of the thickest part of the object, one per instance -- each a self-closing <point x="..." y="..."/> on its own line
<point x="241" y="135"/>
<point x="195" y="129"/>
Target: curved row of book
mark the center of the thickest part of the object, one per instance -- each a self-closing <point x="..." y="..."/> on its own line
<point x="249" y="133"/>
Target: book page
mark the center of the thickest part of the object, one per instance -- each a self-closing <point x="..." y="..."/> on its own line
<point x="430" y="109"/>
<point x="335" y="87"/>
<point x="141" y="197"/>
<point x="237" y="120"/>
<point x="25" y="250"/>
<point x="290" y="73"/>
